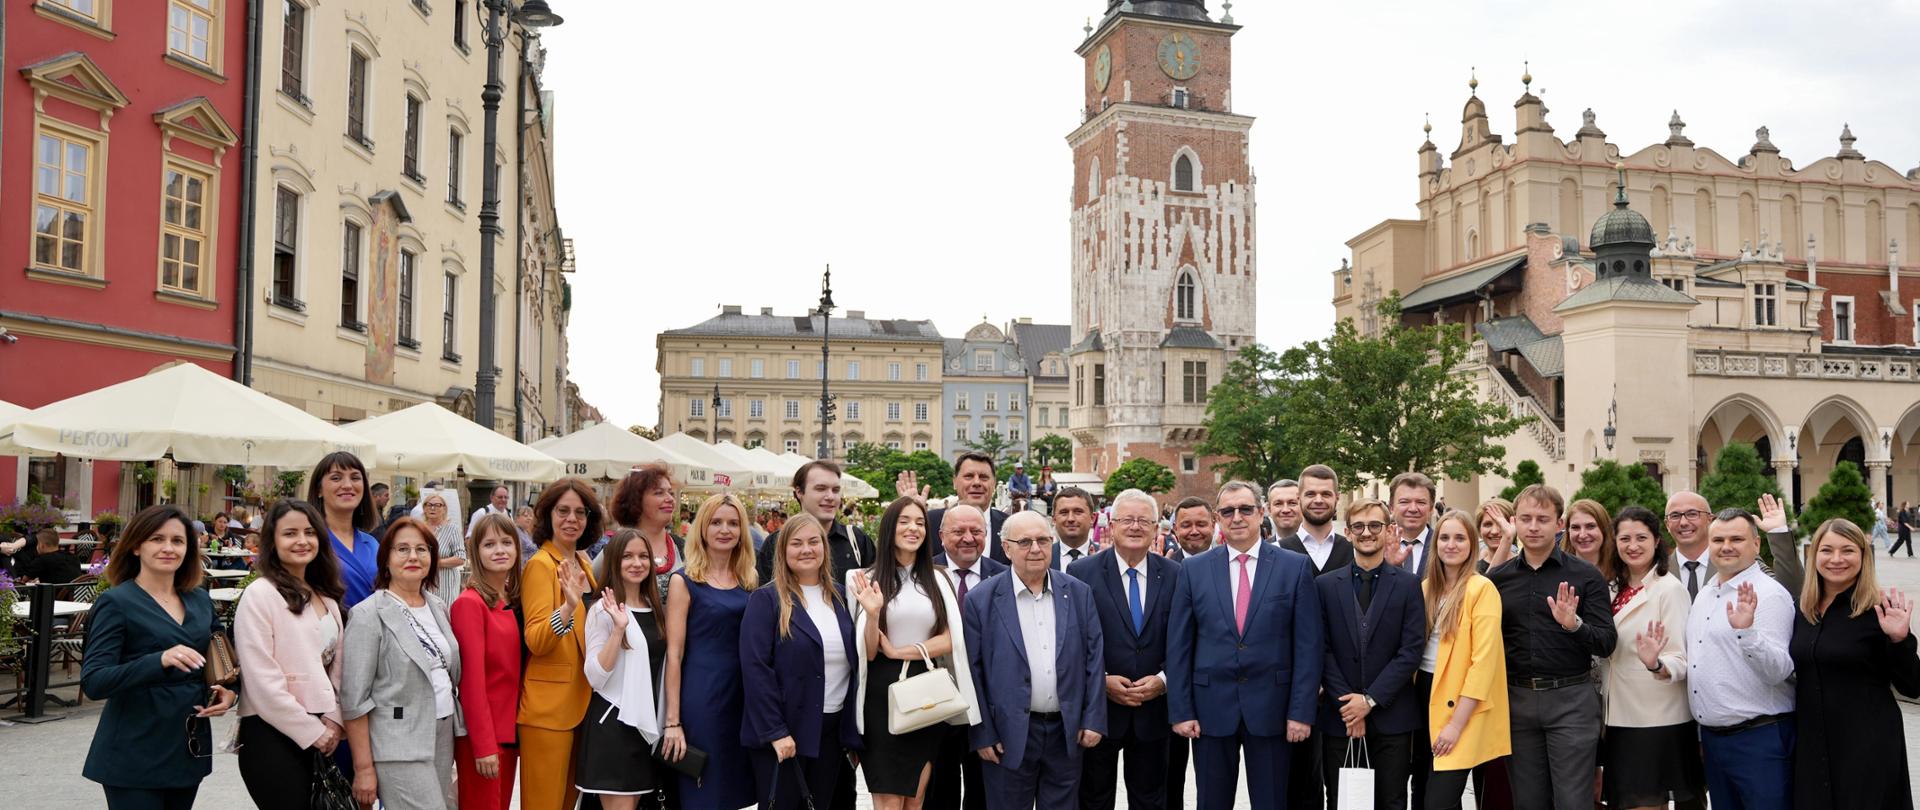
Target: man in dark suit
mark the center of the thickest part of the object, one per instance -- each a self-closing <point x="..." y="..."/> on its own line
<point x="1243" y="657"/>
<point x="1073" y="522"/>
<point x="973" y="483"/>
<point x="1133" y="594"/>
<point x="1283" y="509"/>
<point x="1375" y="625"/>
<point x="1411" y="501"/>
<point x="956" y="783"/>
<point x="1192" y="535"/>
<point x="1308" y="506"/>
<point x="1035" y="647"/>
<point x="816" y="486"/>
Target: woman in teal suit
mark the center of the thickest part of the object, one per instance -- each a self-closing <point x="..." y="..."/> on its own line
<point x="147" y="641"/>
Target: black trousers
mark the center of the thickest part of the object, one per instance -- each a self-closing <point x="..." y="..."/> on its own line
<point x="1305" y="787"/>
<point x="1445" y="787"/>
<point x="1179" y="750"/>
<point x="1905" y="539"/>
<point x="1421" y="770"/>
<point x="1390" y="755"/>
<point x="954" y="768"/>
<point x="124" y="798"/>
<point x="777" y="784"/>
<point x="1146" y="773"/>
<point x="276" y="770"/>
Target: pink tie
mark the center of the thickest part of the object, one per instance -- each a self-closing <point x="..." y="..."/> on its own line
<point x="1241" y="599"/>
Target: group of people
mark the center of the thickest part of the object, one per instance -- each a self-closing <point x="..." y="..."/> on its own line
<point x="1549" y="654"/>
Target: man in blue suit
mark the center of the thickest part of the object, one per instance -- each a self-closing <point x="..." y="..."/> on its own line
<point x="1034" y="643"/>
<point x="956" y="783"/>
<point x="1133" y="595"/>
<point x="1243" y="656"/>
<point x="1376" y="627"/>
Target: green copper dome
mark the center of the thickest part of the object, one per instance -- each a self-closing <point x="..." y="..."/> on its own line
<point x="1622" y="225"/>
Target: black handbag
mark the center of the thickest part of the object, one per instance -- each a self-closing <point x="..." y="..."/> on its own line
<point x="693" y="764"/>
<point x="799" y="776"/>
<point x="331" y="790"/>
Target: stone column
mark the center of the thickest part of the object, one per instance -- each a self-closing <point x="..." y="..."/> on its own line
<point x="1783" y="475"/>
<point x="1877" y="479"/>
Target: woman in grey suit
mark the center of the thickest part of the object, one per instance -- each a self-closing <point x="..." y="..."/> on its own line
<point x="397" y="692"/>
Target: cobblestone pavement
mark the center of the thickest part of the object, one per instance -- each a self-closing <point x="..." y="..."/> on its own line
<point x="40" y="764"/>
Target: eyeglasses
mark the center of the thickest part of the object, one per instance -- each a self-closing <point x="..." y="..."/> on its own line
<point x="1690" y="514"/>
<point x="1135" y="521"/>
<point x="1373" y="527"/>
<point x="196" y="746"/>
<point x="1230" y="511"/>
<point x="1029" y="543"/>
<point x="563" y="513"/>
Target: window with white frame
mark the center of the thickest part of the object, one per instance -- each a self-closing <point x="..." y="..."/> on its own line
<point x="286" y="248"/>
<point x="460" y="24"/>
<point x="726" y="367"/>
<point x="756" y="409"/>
<point x="293" y="49"/>
<point x="982" y="359"/>
<point x="410" y="148"/>
<point x="757" y="368"/>
<point x="1188" y="464"/>
<point x="357" y="67"/>
<point x="919" y="445"/>
<point x="893" y="372"/>
<point x="793" y="445"/>
<point x="920" y="372"/>
<point x="1063" y="418"/>
<point x="449" y="310"/>
<point x="93" y="11"/>
<point x="793" y="409"/>
<point x="725" y="408"/>
<point x="893" y="411"/>
<point x="1766" y="304"/>
<point x="350" y="251"/>
<point x="960" y="433"/>
<point x="1185" y="296"/>
<point x="1042" y="414"/>
<point x="1843" y="319"/>
<point x="1013" y="434"/>
<point x="184" y="222"/>
<point x="989" y="426"/>
<point x="193" y="31"/>
<point x="1193" y="381"/>
<point x="697" y="406"/>
<point x="1013" y="402"/>
<point x="920" y="411"/>
<point x="793" y="369"/>
<point x="697" y="367"/>
<point x="960" y="401"/>
<point x="853" y="369"/>
<point x="853" y="410"/>
<point x="455" y="144"/>
<point x="893" y="444"/>
<point x="993" y="401"/>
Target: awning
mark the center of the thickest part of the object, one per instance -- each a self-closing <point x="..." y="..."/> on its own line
<point x="1509" y="333"/>
<point x="1545" y="356"/>
<point x="429" y="439"/>
<point x="1463" y="286"/>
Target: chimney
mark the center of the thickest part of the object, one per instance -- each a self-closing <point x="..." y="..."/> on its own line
<point x="766" y="310"/>
<point x="1023" y="321"/>
<point x="729" y="309"/>
<point x="857" y="314"/>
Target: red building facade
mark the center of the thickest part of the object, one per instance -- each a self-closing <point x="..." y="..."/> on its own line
<point x="121" y="205"/>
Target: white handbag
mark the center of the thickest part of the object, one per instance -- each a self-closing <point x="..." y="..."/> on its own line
<point x="924" y="699"/>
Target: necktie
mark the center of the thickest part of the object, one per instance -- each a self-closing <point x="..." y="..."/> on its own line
<point x="1413" y="554"/>
<point x="1133" y="601"/>
<point x="1245" y="595"/>
<point x="1366" y="589"/>
<point x="1073" y="555"/>
<point x="961" y="597"/>
<point x="1693" y="580"/>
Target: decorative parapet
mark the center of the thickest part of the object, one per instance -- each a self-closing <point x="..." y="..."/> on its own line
<point x="1861" y="367"/>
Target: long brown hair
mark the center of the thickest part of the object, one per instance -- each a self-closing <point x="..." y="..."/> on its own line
<point x="322" y="575"/>
<point x="649" y="589"/>
<point x="1609" y="559"/>
<point x="550" y="499"/>
<point x="502" y="525"/>
<point x="882" y="572"/>
<point x="1445" y="590"/>
<point x="784" y="584"/>
<point x="124" y="565"/>
<point x="1813" y="589"/>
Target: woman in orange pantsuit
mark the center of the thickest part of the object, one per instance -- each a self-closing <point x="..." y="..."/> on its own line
<point x="553" y="698"/>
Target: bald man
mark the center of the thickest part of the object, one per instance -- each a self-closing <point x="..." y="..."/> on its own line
<point x="1687" y="517"/>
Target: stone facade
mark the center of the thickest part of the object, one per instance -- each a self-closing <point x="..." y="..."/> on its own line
<point x="1163" y="271"/>
<point x="983" y="389"/>
<point x="1803" y="336"/>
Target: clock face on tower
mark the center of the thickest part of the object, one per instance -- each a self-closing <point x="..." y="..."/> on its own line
<point x="1179" y="56"/>
<point x="1102" y="68"/>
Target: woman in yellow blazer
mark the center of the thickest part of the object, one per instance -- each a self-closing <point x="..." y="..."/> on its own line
<point x="1465" y="663"/>
<point x="554" y="692"/>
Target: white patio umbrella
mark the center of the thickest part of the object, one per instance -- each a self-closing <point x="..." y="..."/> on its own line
<point x="765" y="475"/>
<point x="429" y="439"/>
<point x="849" y="486"/>
<point x="198" y="416"/>
<point x="727" y="473"/>
<point x="9" y="412"/>
<point x="608" y="451"/>
<point x="775" y="461"/>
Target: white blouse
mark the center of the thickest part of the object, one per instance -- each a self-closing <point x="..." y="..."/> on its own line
<point x="839" y="665"/>
<point x="910" y="614"/>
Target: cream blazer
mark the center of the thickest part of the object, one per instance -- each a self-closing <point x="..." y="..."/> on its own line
<point x="954" y="662"/>
<point x="1634" y="697"/>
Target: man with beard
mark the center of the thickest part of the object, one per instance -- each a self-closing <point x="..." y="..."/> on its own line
<point x="956" y="766"/>
<point x="973" y="483"/>
<point x="1309" y="507"/>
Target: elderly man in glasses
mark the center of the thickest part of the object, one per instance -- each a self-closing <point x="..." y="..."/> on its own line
<point x="1243" y="657"/>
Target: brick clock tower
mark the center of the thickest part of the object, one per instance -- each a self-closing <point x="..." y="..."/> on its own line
<point x="1163" y="236"/>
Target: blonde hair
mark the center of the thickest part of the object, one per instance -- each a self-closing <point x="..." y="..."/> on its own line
<point x="1445" y="590"/>
<point x="1592" y="508"/>
<point x="1866" y="591"/>
<point x="496" y="524"/>
<point x="784" y="585"/>
<point x="699" y="565"/>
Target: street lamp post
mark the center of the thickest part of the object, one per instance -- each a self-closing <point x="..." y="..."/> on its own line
<point x="531" y="14"/>
<point x="826" y="399"/>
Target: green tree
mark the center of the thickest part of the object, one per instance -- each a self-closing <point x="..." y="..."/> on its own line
<point x="1143" y="474"/>
<point x="1055" y="450"/>
<point x="880" y="466"/>
<point x="1739" y="478"/>
<point x="1247" y="419"/>
<point x="997" y="447"/>
<point x="644" y="432"/>
<point x="1525" y="474"/>
<point x="1617" y="485"/>
<point x="1385" y="404"/>
<point x="1844" y="495"/>
<point x="868" y="456"/>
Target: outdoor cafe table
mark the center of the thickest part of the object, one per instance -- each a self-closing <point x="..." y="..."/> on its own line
<point x="222" y="573"/>
<point x="23" y="609"/>
<point x="225" y="594"/>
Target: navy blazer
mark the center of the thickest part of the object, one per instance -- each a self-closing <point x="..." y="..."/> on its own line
<point x="986" y="567"/>
<point x="785" y="678"/>
<point x="995" y="519"/>
<point x="1340" y="557"/>
<point x="997" y="652"/>
<point x="1264" y="677"/>
<point x="141" y="739"/>
<point x="1129" y="654"/>
<point x="1375" y="653"/>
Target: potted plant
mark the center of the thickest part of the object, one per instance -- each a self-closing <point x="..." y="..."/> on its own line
<point x="168" y="489"/>
<point x="109" y="523"/>
<point x="29" y="518"/>
<point x="143" y="472"/>
<point x="287" y="484"/>
<point x="7" y="597"/>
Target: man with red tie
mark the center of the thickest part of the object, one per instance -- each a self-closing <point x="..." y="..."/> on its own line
<point x="964" y="535"/>
<point x="1243" y="657"/>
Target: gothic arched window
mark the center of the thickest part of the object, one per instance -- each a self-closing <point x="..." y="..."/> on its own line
<point x="1185" y="294"/>
<point x="1183" y="173"/>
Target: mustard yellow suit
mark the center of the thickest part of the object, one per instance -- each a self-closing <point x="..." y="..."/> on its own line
<point x="1473" y="663"/>
<point x="554" y="691"/>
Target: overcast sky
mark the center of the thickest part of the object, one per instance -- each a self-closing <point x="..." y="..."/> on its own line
<point x="717" y="152"/>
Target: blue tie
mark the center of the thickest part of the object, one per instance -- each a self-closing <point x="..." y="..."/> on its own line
<point x="1133" y="601"/>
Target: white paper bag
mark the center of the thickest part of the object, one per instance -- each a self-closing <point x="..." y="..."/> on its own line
<point x="1356" y="778"/>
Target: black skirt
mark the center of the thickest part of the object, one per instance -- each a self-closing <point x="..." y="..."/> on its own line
<point x="1651" y="766"/>
<point x="893" y="762"/>
<point x="613" y="757"/>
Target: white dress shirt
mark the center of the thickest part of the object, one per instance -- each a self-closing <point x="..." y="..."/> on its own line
<point x="1066" y="553"/>
<point x="1146" y="596"/>
<point x="1319" y="550"/>
<point x="1233" y="570"/>
<point x="1417" y="552"/>
<point x="1703" y="569"/>
<point x="1036" y="631"/>
<point x="1738" y="675"/>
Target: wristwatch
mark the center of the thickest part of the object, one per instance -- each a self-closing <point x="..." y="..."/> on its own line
<point x="1577" y="624"/>
<point x="1371" y="703"/>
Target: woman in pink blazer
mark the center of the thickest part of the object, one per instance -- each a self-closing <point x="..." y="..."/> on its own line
<point x="287" y="630"/>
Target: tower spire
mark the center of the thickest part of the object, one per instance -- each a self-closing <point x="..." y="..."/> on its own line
<point x="1620" y="195"/>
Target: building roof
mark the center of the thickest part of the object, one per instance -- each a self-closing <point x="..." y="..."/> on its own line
<point x="1195" y="10"/>
<point x="731" y="322"/>
<point x="1507" y="334"/>
<point x="1461" y="286"/>
<point x="1187" y="337"/>
<point x="1090" y="343"/>
<point x="1546" y="356"/>
<point x="1037" y="340"/>
<point x="957" y="356"/>
<point x="1638" y="289"/>
<point x="1622" y="225"/>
